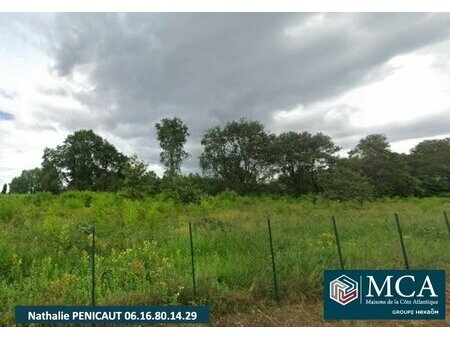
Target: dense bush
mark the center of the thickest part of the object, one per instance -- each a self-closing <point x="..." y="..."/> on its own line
<point x="182" y="189"/>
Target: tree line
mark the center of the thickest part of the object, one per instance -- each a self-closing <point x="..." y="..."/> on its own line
<point x="244" y="157"/>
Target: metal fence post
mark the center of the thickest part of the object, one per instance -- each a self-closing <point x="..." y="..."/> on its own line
<point x="272" y="255"/>
<point x="93" y="266"/>
<point x="194" y="289"/>
<point x="338" y="244"/>
<point x="405" y="257"/>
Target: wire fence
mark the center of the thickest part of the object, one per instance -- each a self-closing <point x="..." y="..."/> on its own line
<point x="271" y="250"/>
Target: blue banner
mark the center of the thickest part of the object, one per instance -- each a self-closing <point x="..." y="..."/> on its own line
<point x="112" y="314"/>
<point x="384" y="294"/>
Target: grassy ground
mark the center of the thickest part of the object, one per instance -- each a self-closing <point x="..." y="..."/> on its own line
<point x="305" y="313"/>
<point x="143" y="254"/>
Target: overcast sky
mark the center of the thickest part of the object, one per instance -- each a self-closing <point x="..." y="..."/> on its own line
<point x="347" y="75"/>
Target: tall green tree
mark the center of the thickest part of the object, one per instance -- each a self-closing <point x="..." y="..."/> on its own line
<point x="241" y="154"/>
<point x="5" y="188"/>
<point x="172" y="134"/>
<point x="29" y="182"/>
<point x="301" y="157"/>
<point x="50" y="180"/>
<point x="387" y="171"/>
<point x="86" y="161"/>
<point x="430" y="163"/>
<point x="344" y="183"/>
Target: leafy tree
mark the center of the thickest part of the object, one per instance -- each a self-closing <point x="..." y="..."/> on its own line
<point x="19" y="185"/>
<point x="5" y="188"/>
<point x="86" y="161"/>
<point x="387" y="171"/>
<point x="344" y="183"/>
<point x="172" y="134"/>
<point x="301" y="156"/>
<point x="374" y="147"/>
<point x="27" y="183"/>
<point x="240" y="154"/>
<point x="208" y="185"/>
<point x="50" y="180"/>
<point x="137" y="180"/>
<point x="430" y="163"/>
<point x="182" y="189"/>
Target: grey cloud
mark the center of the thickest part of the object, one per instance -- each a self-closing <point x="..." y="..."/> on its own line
<point x="432" y="125"/>
<point x="35" y="125"/>
<point x="59" y="92"/>
<point x="335" y="122"/>
<point x="210" y="68"/>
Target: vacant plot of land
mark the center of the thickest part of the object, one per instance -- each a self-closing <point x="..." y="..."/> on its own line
<point x="308" y="313"/>
<point x="143" y="252"/>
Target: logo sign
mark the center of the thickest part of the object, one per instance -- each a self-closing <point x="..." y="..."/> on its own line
<point x="343" y="290"/>
<point x="384" y="294"/>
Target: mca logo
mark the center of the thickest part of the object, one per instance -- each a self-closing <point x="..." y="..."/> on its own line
<point x="343" y="290"/>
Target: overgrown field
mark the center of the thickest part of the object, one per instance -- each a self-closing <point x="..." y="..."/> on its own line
<point x="143" y="253"/>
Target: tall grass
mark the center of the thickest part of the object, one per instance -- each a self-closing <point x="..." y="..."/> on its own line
<point x="143" y="253"/>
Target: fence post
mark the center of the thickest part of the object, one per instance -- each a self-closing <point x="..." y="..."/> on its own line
<point x="338" y="244"/>
<point x="194" y="289"/>
<point x="274" y="272"/>
<point x="405" y="257"/>
<point x="93" y="266"/>
<point x="446" y="221"/>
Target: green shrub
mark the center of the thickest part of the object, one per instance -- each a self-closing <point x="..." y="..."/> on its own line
<point x="183" y="190"/>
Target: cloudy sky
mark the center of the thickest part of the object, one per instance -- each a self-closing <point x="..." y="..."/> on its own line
<point x="346" y="75"/>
